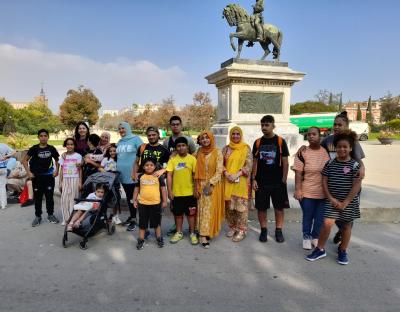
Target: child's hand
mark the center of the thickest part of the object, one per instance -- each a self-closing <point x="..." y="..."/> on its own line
<point x="164" y="205"/>
<point x="341" y="205"/>
<point x="255" y="185"/>
<point x="171" y="196"/>
<point x="55" y="174"/>
<point x="135" y="204"/>
<point x="96" y="206"/>
<point x="298" y="195"/>
<point x="334" y="202"/>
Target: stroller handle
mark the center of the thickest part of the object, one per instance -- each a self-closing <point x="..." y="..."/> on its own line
<point x="89" y="200"/>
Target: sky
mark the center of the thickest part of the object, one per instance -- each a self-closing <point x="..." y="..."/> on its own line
<point x="131" y="51"/>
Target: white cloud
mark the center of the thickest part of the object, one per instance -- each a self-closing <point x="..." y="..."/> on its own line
<point x="117" y="84"/>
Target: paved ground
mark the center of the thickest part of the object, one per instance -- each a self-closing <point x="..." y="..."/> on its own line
<point x="38" y="274"/>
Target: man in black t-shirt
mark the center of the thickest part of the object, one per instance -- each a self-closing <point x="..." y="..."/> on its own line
<point x="42" y="169"/>
<point x="154" y="150"/>
<point x="270" y="170"/>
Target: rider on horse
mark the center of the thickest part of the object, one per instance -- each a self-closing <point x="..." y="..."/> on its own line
<point x="257" y="19"/>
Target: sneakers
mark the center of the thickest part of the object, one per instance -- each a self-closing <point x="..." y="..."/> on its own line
<point x="316" y="254"/>
<point x="36" y="221"/>
<point x="263" y="235"/>
<point x="338" y="237"/>
<point x="231" y="232"/>
<point x="28" y="203"/>
<point x="239" y="236"/>
<point x="131" y="226"/>
<point x="172" y="230"/>
<point x="279" y="236"/>
<point x="342" y="258"/>
<point x="140" y="244"/>
<point x="128" y="221"/>
<point x="52" y="219"/>
<point x="176" y="237"/>
<point x="160" y="242"/>
<point x="307" y="244"/>
<point x="193" y="239"/>
<point x="116" y="220"/>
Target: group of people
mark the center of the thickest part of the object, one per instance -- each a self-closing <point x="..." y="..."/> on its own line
<point x="208" y="185"/>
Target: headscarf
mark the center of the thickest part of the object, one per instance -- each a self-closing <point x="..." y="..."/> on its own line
<point x="128" y="129"/>
<point x="235" y="160"/>
<point x="201" y="173"/>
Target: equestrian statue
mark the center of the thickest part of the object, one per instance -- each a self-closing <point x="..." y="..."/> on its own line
<point x="252" y="29"/>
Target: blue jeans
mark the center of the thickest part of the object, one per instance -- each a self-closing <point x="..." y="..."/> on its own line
<point x="313" y="216"/>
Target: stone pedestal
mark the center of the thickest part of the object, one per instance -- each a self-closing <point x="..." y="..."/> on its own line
<point x="248" y="90"/>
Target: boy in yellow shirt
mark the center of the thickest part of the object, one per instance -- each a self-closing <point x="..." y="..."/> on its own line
<point x="149" y="197"/>
<point x="180" y="171"/>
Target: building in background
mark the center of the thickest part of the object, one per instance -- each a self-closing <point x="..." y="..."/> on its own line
<point x="41" y="98"/>
<point x="352" y="108"/>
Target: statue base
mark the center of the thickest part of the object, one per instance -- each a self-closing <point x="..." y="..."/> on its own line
<point x="248" y="90"/>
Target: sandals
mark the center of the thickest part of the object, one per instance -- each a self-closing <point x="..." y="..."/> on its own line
<point x="205" y="242"/>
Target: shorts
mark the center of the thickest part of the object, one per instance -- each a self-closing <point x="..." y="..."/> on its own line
<point x="149" y="214"/>
<point x="277" y="192"/>
<point x="181" y="205"/>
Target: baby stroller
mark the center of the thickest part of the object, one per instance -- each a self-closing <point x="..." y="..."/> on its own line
<point x="96" y="220"/>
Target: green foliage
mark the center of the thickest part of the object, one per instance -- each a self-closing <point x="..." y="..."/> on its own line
<point x="6" y="113"/>
<point x="359" y="114"/>
<point x="79" y="105"/>
<point x="311" y="107"/>
<point x="369" y="111"/>
<point x="390" y="108"/>
<point x="394" y="124"/>
<point x="34" y="117"/>
<point x="18" y="141"/>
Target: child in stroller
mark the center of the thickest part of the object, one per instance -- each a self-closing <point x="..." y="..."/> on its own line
<point x="90" y="215"/>
<point x="85" y="207"/>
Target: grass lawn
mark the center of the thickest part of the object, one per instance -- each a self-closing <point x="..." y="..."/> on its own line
<point x="33" y="139"/>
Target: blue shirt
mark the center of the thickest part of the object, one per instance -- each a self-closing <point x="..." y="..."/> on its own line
<point x="126" y="156"/>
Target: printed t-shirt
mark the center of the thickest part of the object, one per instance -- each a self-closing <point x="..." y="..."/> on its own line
<point x="158" y="152"/>
<point x="149" y="189"/>
<point x="69" y="165"/>
<point x="126" y="151"/>
<point x="109" y="164"/>
<point x="169" y="143"/>
<point x="182" y="169"/>
<point x="269" y="169"/>
<point x="357" y="153"/>
<point x="314" y="162"/>
<point x="41" y="159"/>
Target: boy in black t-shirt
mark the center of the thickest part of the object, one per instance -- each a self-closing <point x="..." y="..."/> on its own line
<point x="42" y="169"/>
<point x="270" y="170"/>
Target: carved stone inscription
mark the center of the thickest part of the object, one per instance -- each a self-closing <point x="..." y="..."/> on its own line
<point x="260" y="103"/>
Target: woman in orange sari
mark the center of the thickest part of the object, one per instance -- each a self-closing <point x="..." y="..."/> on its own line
<point x="208" y="188"/>
<point x="238" y="162"/>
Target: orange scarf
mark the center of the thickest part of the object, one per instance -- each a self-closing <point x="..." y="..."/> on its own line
<point x="201" y="173"/>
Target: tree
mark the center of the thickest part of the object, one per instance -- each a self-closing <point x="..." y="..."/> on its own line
<point x="390" y="108"/>
<point x="369" y="111"/>
<point x="79" y="105"/>
<point x="311" y="107"/>
<point x="359" y="114"/>
<point x="36" y="116"/>
<point x="201" y="114"/>
<point x="6" y="113"/>
<point x="340" y="106"/>
<point x="330" y="99"/>
<point x="164" y="112"/>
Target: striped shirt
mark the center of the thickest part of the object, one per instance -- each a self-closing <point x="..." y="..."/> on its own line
<point x="340" y="181"/>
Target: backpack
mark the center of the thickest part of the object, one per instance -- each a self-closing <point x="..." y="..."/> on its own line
<point x="141" y="150"/>
<point x="280" y="143"/>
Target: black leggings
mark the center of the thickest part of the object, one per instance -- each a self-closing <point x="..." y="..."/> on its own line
<point x="128" y="188"/>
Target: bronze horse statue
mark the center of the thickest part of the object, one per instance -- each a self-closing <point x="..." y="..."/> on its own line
<point x="237" y="16"/>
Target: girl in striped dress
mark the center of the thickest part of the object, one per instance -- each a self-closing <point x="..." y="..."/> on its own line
<point x="341" y="188"/>
<point x="70" y="178"/>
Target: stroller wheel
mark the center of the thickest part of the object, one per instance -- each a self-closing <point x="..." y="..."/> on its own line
<point x="83" y="245"/>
